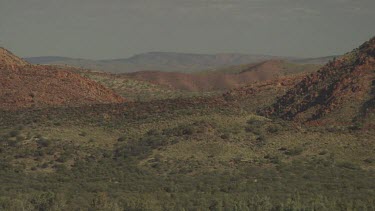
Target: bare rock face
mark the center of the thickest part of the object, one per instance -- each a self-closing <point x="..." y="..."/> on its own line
<point x="344" y="89"/>
<point x="23" y="85"/>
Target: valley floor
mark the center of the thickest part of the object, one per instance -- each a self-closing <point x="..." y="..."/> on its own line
<point x="152" y="157"/>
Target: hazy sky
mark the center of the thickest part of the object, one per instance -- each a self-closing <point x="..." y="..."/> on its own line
<point x="120" y="28"/>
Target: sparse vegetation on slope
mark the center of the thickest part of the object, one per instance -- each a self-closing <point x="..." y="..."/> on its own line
<point x="341" y="89"/>
<point x="24" y="85"/>
<point x="139" y="90"/>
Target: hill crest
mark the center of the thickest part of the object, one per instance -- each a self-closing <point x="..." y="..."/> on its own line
<point x="10" y="61"/>
<point x="23" y="85"/>
<point x="343" y="88"/>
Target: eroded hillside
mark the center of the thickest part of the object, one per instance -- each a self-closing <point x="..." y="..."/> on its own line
<point x="342" y="90"/>
<point x="23" y="85"/>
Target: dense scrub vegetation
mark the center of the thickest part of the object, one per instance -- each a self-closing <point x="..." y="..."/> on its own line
<point x="180" y="159"/>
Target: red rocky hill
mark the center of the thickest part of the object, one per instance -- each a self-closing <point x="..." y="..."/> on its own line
<point x="24" y="85"/>
<point x="341" y="91"/>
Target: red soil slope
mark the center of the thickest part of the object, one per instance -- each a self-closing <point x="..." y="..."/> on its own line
<point x="24" y="85"/>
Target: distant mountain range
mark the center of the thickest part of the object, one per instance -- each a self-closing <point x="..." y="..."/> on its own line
<point x="168" y="62"/>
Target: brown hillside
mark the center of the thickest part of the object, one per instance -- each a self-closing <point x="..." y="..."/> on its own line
<point x="23" y="85"/>
<point x="343" y="90"/>
<point x="9" y="61"/>
<point x="222" y="79"/>
<point x="262" y="93"/>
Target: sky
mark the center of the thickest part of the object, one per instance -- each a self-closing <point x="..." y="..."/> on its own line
<point x="109" y="29"/>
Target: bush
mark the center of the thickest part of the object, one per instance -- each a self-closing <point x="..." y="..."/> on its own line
<point x="43" y="142"/>
<point x="57" y="123"/>
<point x="254" y="122"/>
<point x="323" y="152"/>
<point x="44" y="165"/>
<point x="283" y="149"/>
<point x="294" y="151"/>
<point x="198" y="127"/>
<point x="260" y="141"/>
<point x="348" y="165"/>
<point x="44" y="201"/>
<point x="273" y="128"/>
<point x="273" y="159"/>
<point x="369" y="160"/>
<point x="237" y="159"/>
<point x="83" y="134"/>
<point x="188" y="131"/>
<point x="121" y="139"/>
<point x="356" y="126"/>
<point x="153" y="132"/>
<point x="12" y="143"/>
<point x="61" y="159"/>
<point x="14" y="133"/>
<point x="20" y="138"/>
<point x="249" y="129"/>
<point x="225" y="136"/>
